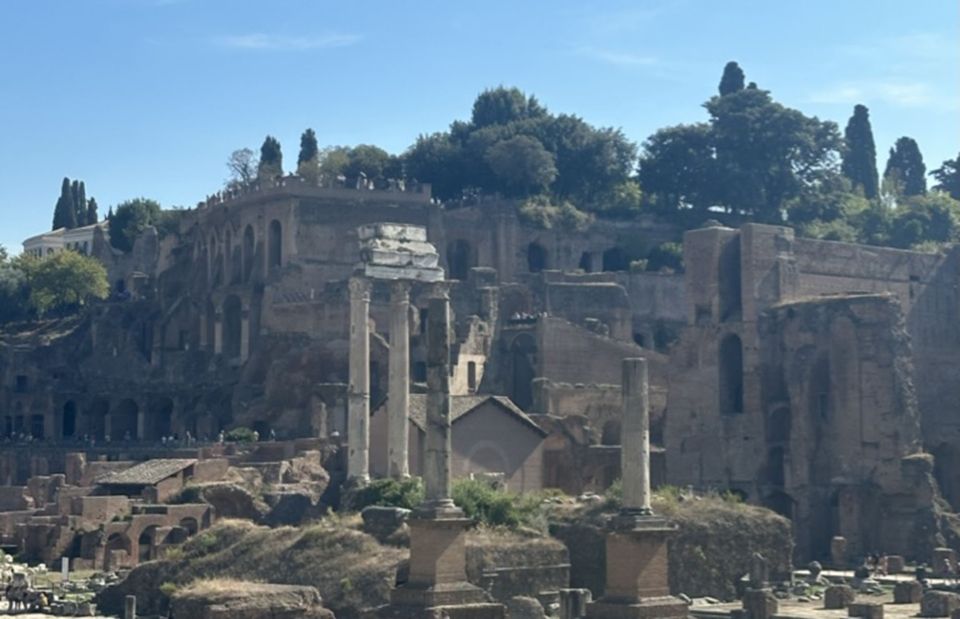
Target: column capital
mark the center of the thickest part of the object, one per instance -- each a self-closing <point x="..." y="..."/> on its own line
<point x="359" y="288"/>
<point x="400" y="291"/>
<point x="440" y="290"/>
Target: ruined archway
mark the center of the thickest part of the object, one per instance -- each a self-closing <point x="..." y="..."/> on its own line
<point x="586" y="262"/>
<point x="536" y="258"/>
<point x="68" y="424"/>
<point x="123" y="420"/>
<point x="730" y="365"/>
<point x="275" y="244"/>
<point x="460" y="259"/>
<point x="615" y="259"/>
<point x="248" y="249"/>
<point x="160" y="418"/>
<point x="523" y="349"/>
<point x="146" y="544"/>
<point x="232" y="327"/>
<point x="236" y="265"/>
<point x="95" y="418"/>
<point x="116" y="551"/>
<point x="190" y="525"/>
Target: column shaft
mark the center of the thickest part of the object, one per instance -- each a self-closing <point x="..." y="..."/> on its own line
<point x="437" y="444"/>
<point x="358" y="403"/>
<point x="398" y="400"/>
<point x="635" y="437"/>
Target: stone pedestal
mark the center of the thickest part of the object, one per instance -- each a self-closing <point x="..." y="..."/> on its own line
<point x="760" y="604"/>
<point x="637" y="571"/>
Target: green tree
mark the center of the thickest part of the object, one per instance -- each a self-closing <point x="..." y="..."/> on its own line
<point x="65" y="214"/>
<point x="522" y="164"/>
<point x="271" y="159"/>
<point x="64" y="280"/>
<point x="925" y="219"/>
<point x="438" y="160"/>
<point x="948" y="178"/>
<point x="92" y="215"/>
<point x="129" y="221"/>
<point x="333" y="161"/>
<point x="732" y="79"/>
<point x="860" y="156"/>
<point x="678" y="165"/>
<point x="371" y="161"/>
<point x="79" y="192"/>
<point x="501" y="106"/>
<point x="14" y="294"/>
<point x="906" y="173"/>
<point x="308" y="161"/>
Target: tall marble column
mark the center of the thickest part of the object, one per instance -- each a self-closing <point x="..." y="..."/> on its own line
<point x="635" y="438"/>
<point x="358" y="395"/>
<point x="437" y="443"/>
<point x="637" y="554"/>
<point x="398" y="400"/>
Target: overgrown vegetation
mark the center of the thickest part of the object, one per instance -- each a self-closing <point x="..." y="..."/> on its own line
<point x="407" y="493"/>
<point x="240" y="434"/>
<point x="33" y="287"/>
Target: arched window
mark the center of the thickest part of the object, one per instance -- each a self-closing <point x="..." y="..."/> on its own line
<point x="123" y="421"/>
<point x="586" y="262"/>
<point x="536" y="258"/>
<point x="232" y="327"/>
<point x="459" y="259"/>
<point x="731" y="375"/>
<point x="614" y="259"/>
<point x="276" y="245"/>
<point x="69" y="419"/>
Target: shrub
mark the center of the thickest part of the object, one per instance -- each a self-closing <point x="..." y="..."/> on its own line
<point x="240" y="434"/>
<point x="491" y="506"/>
<point x="407" y="493"/>
<point x="666" y="256"/>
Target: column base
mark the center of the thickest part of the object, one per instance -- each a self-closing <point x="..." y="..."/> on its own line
<point x="666" y="607"/>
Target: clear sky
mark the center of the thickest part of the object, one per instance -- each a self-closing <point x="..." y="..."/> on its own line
<point x="149" y="97"/>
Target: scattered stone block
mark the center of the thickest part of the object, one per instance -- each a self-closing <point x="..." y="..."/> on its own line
<point x="760" y="604"/>
<point x="895" y="564"/>
<point x="381" y="522"/>
<point x="838" y="551"/>
<point x="520" y="607"/>
<point x="944" y="562"/>
<point x="907" y="592"/>
<point x="939" y="604"/>
<point x="867" y="610"/>
<point x="838" y="596"/>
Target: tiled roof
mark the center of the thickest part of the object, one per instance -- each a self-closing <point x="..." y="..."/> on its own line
<point x="146" y="473"/>
<point x="461" y="405"/>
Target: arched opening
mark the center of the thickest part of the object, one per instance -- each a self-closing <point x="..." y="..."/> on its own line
<point x="776" y="467"/>
<point x="123" y="420"/>
<point x="472" y="376"/>
<point x="488" y="459"/>
<point x="120" y="286"/>
<point x="160" y="418"/>
<point x="819" y="390"/>
<point x="96" y="418"/>
<point x="731" y="375"/>
<point x="116" y="551"/>
<point x="189" y="525"/>
<point x="611" y="433"/>
<point x="586" y="262"/>
<point x="728" y="279"/>
<point x="536" y="258"/>
<point x="37" y="426"/>
<point x="276" y="245"/>
<point x="232" y="327"/>
<point x="780" y="502"/>
<point x="146" y="544"/>
<point x="522" y="355"/>
<point x="460" y="259"/>
<point x="69" y="426"/>
<point x="248" y="249"/>
<point x="615" y="259"/>
<point x="778" y="426"/>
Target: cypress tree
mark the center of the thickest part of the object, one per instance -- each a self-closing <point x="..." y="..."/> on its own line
<point x="948" y="177"/>
<point x="860" y="159"/>
<point x="905" y="169"/>
<point x="92" y="216"/>
<point x="308" y="146"/>
<point x="64" y="215"/>
<point x="271" y="159"/>
<point x="81" y="205"/>
<point x="732" y="80"/>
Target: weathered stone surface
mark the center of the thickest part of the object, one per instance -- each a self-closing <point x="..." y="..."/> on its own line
<point x="524" y="608"/>
<point x="939" y="604"/>
<point x="909" y="592"/>
<point x="246" y="600"/>
<point x="867" y="610"/>
<point x="382" y="522"/>
<point x="838" y="596"/>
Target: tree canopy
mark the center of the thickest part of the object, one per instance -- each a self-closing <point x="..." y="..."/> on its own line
<point x="948" y="177"/>
<point x="906" y="174"/>
<point x="243" y="165"/>
<point x="65" y="280"/>
<point x="271" y="159"/>
<point x="860" y="157"/>
<point x="732" y="79"/>
<point x="130" y="219"/>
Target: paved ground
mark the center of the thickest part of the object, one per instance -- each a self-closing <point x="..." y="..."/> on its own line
<point x="791" y="609"/>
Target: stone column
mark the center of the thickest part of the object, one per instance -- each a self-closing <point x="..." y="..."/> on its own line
<point x="218" y="331"/>
<point x="635" y="438"/>
<point x="244" y="334"/>
<point x="358" y="394"/>
<point x="398" y="400"/>
<point x="437" y="443"/>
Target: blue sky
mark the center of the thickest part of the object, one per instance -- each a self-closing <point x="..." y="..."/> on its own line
<point x="149" y="97"/>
